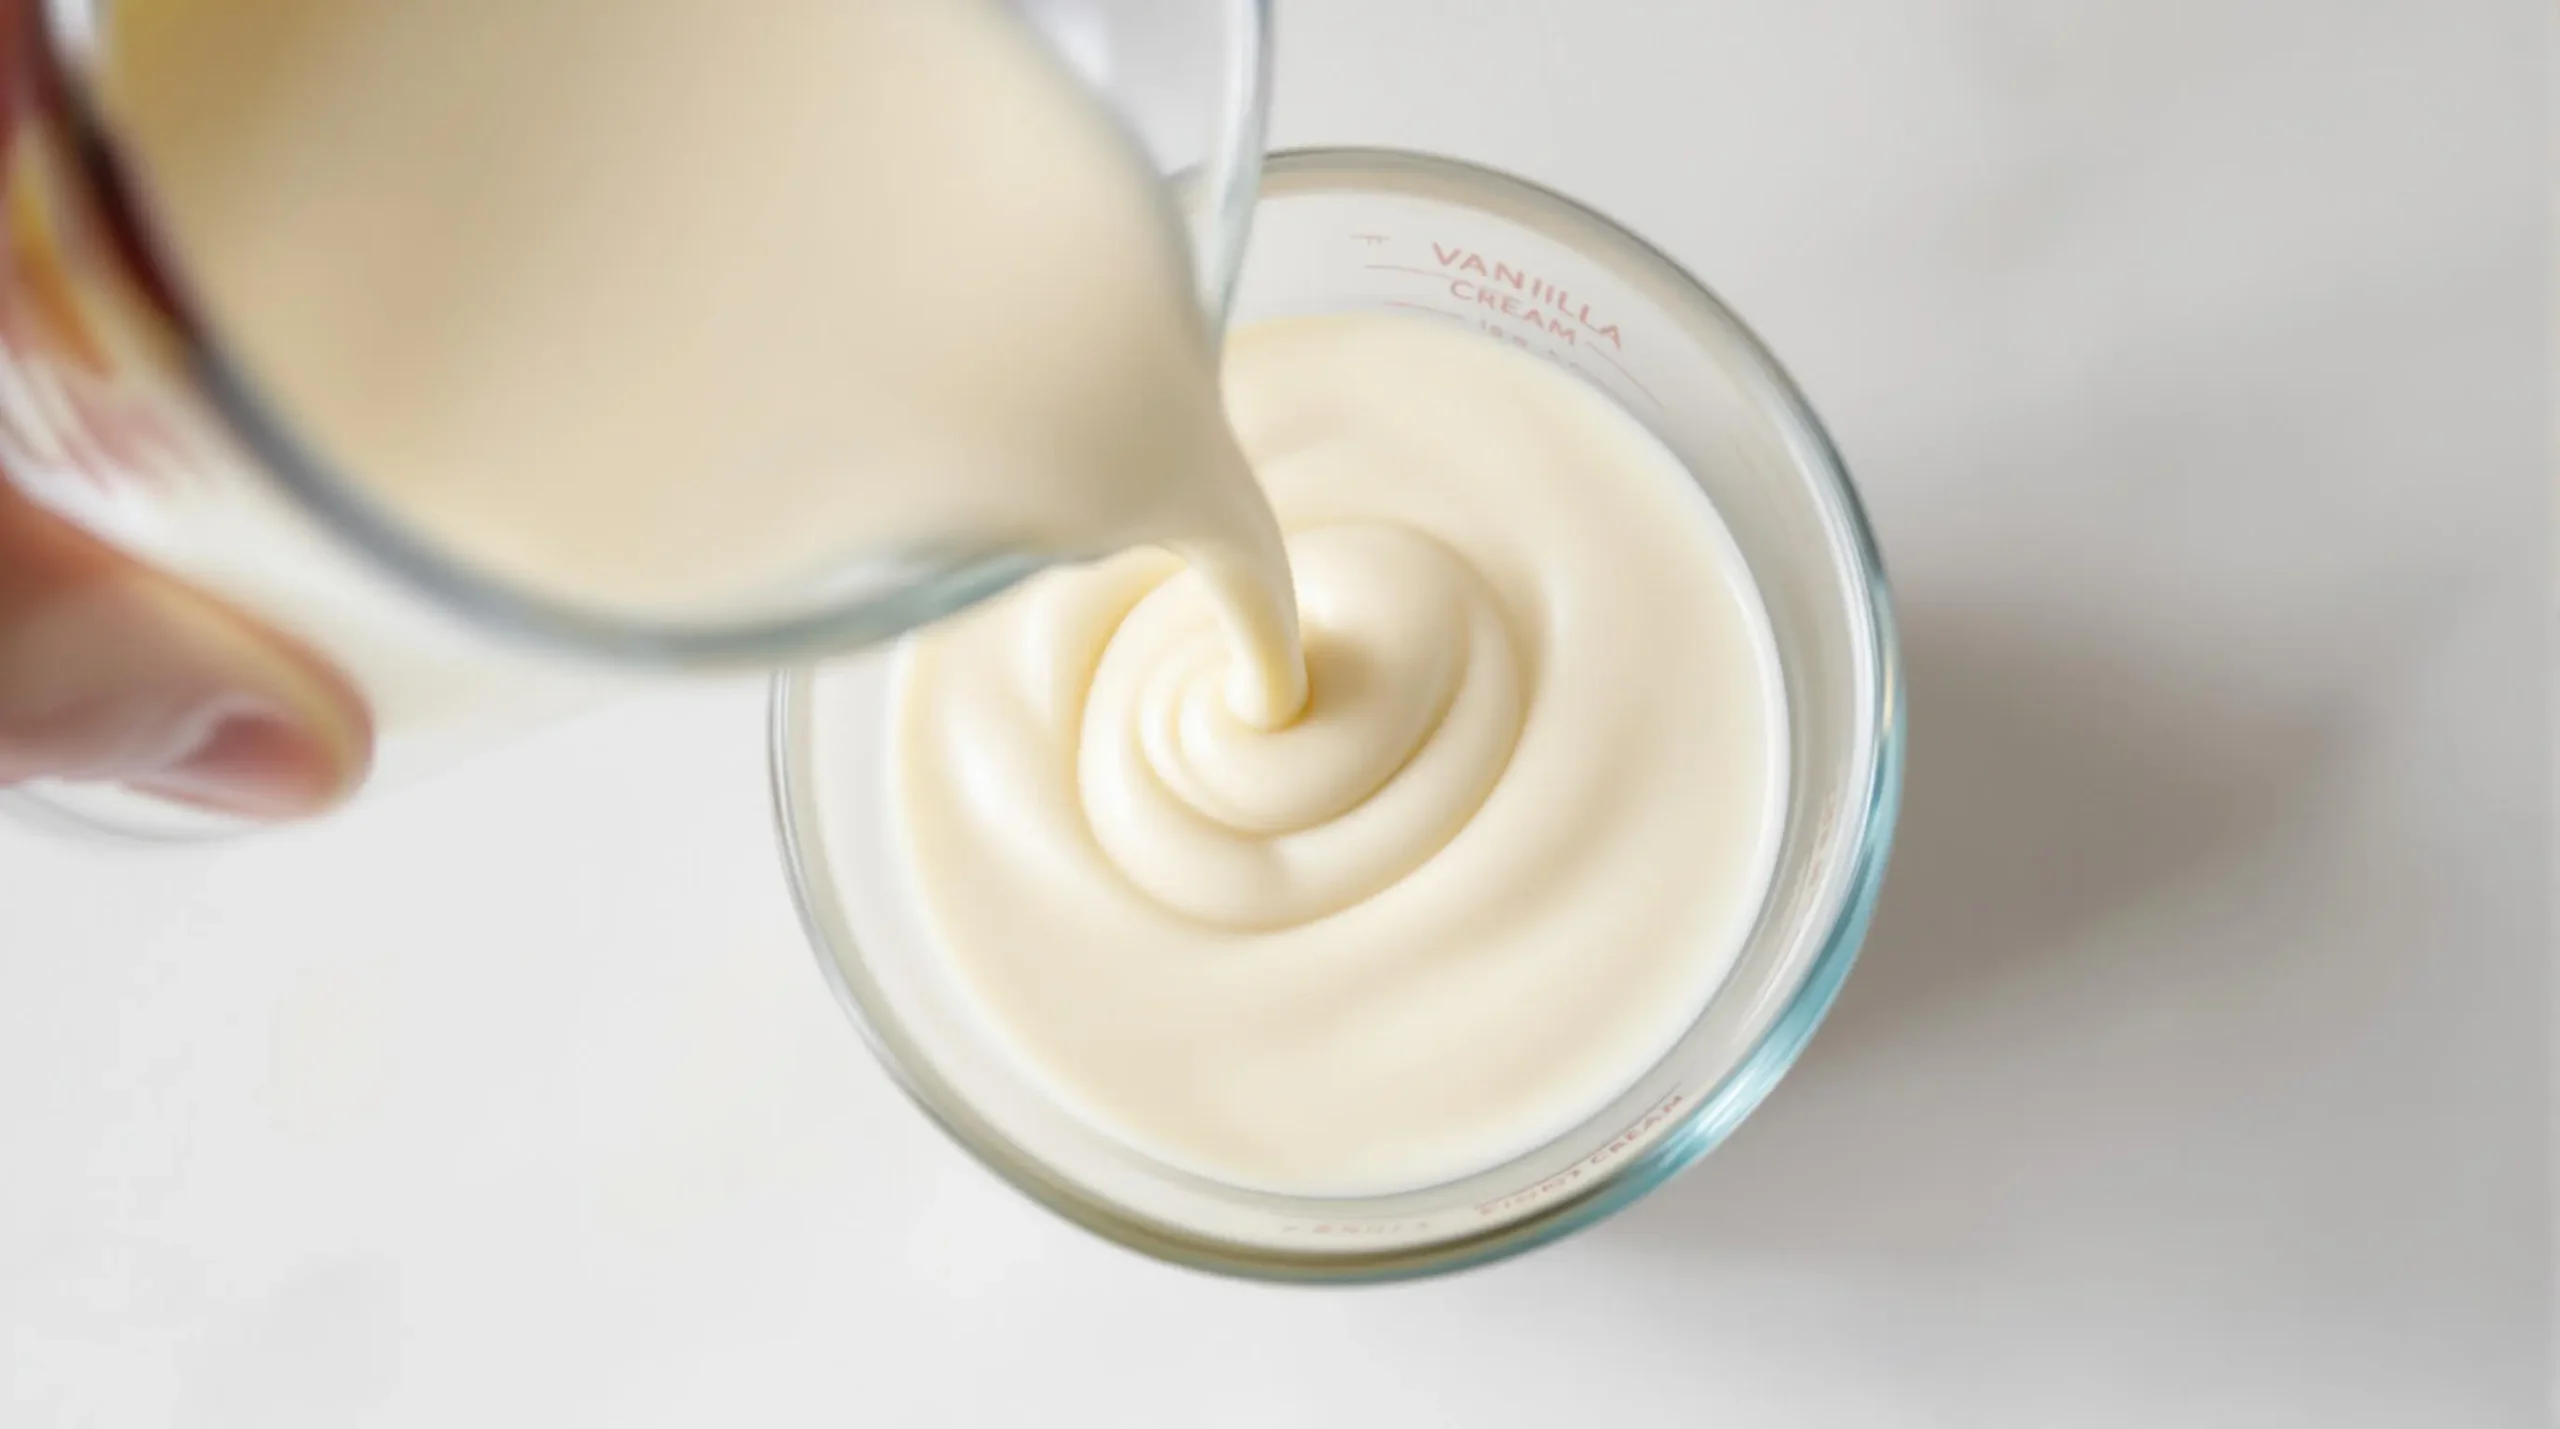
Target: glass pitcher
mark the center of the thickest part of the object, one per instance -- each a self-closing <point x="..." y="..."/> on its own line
<point x="121" y="411"/>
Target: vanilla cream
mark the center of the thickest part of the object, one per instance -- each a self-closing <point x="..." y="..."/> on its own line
<point x="1477" y="888"/>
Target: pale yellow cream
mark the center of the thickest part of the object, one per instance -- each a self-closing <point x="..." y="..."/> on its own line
<point x="689" y="308"/>
<point x="1474" y="892"/>
<point x="693" y="308"/>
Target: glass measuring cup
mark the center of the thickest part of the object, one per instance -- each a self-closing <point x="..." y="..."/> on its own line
<point x="122" y="409"/>
<point x="1353" y="230"/>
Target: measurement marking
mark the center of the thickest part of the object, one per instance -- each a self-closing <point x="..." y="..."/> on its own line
<point x="1593" y="350"/>
<point x="1645" y="1130"/>
<point x="1445" y="275"/>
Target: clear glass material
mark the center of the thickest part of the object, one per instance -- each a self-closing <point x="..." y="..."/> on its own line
<point x="1345" y="230"/>
<point x="120" y="410"/>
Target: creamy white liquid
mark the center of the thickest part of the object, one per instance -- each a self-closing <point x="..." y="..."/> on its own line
<point x="692" y="307"/>
<point x="1487" y="879"/>
<point x="688" y="307"/>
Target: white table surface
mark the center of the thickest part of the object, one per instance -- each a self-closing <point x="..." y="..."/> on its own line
<point x="2192" y="355"/>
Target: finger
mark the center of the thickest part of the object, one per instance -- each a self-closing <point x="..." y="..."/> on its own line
<point x="112" y="671"/>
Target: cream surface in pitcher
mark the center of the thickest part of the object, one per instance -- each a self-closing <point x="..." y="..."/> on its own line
<point x="680" y="308"/>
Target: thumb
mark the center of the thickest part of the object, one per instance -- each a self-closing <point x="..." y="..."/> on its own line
<point x="112" y="671"/>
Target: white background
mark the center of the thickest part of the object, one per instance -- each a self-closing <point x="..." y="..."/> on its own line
<point x="2192" y="353"/>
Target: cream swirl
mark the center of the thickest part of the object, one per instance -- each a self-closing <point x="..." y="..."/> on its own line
<point x="1451" y="903"/>
<point x="1413" y="707"/>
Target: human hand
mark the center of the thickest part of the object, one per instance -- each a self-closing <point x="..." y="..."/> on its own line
<point x="112" y="671"/>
